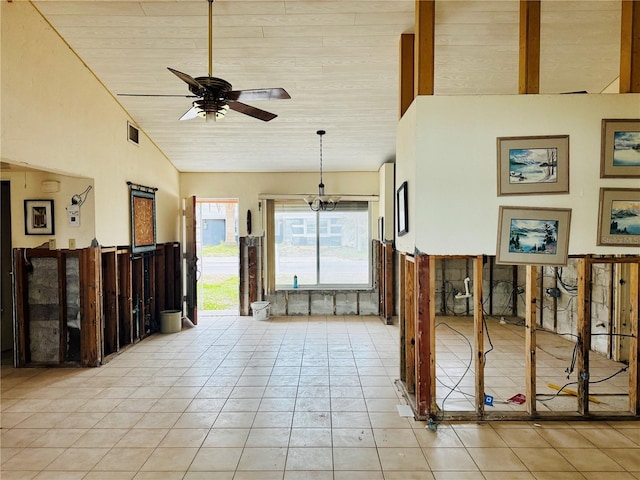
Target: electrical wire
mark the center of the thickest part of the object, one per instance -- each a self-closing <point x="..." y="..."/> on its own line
<point x="433" y="423"/>
<point x="551" y="397"/>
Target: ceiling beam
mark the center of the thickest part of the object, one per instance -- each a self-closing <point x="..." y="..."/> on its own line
<point x="630" y="47"/>
<point x="407" y="94"/>
<point x="529" y="67"/>
<point x="424" y="73"/>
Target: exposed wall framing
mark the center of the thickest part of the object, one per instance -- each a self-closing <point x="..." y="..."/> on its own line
<point x="385" y="280"/>
<point x="99" y="300"/>
<point x="417" y="321"/>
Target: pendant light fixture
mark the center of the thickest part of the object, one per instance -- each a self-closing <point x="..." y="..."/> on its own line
<point x="321" y="202"/>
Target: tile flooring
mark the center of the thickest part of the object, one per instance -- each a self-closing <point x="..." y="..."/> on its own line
<point x="291" y="398"/>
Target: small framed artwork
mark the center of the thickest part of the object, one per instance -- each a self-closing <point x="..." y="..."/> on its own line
<point x="533" y="165"/>
<point x="533" y="236"/>
<point x="620" y="156"/>
<point x="619" y="217"/>
<point x="402" y="209"/>
<point x="38" y="217"/>
<point x="143" y="218"/>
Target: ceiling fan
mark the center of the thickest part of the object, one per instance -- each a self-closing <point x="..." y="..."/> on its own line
<point x="214" y="96"/>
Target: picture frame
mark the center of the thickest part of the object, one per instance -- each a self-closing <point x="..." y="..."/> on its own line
<point x="533" y="165"/>
<point x="402" y="209"/>
<point x="620" y="148"/>
<point x="39" y="217"/>
<point x="143" y="219"/>
<point x="533" y="236"/>
<point x="619" y="217"/>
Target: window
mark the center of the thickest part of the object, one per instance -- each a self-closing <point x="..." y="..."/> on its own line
<point x="323" y="249"/>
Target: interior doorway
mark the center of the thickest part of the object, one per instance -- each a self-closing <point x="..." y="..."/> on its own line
<point x="218" y="253"/>
<point x="6" y="267"/>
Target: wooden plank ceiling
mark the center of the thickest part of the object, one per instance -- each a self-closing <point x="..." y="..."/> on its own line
<point x="338" y="59"/>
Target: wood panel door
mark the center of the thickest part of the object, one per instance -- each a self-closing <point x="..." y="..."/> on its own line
<point x="191" y="260"/>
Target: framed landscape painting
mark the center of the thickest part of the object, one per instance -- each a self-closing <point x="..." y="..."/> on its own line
<point x="533" y="236"/>
<point x="533" y="165"/>
<point x="619" y="217"/>
<point x="620" y="156"/>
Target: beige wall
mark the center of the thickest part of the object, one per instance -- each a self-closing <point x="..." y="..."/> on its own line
<point x="452" y="174"/>
<point x="56" y="117"/>
<point x="248" y="187"/>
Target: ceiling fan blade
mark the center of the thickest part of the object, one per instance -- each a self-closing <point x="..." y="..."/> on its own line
<point x="154" y="95"/>
<point x="259" y="94"/>
<point x="188" y="79"/>
<point x="252" y="111"/>
<point x="190" y="114"/>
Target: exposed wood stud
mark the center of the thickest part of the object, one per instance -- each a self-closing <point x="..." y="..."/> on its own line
<point x="530" y="339"/>
<point x="402" y="318"/>
<point x="478" y="322"/>
<point x="425" y="362"/>
<point x="529" y="67"/>
<point x="410" y="323"/>
<point x="584" y="333"/>
<point x="634" y="354"/>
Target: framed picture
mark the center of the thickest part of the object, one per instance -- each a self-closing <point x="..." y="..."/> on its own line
<point x="402" y="209"/>
<point x="533" y="236"/>
<point x="143" y="219"/>
<point x="620" y="156"/>
<point x="619" y="217"/>
<point x="533" y="165"/>
<point x="38" y="217"/>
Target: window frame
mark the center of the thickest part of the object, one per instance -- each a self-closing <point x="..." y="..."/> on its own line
<point x="318" y="232"/>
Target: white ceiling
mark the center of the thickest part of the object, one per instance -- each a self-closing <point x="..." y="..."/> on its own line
<point x="338" y="59"/>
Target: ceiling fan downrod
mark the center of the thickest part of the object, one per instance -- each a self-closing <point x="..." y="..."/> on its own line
<point x="210" y="38"/>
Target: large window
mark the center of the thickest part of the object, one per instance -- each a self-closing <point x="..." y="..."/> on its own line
<point x="323" y="249"/>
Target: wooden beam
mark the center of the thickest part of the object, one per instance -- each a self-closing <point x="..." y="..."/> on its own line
<point x="630" y="47"/>
<point x="634" y="354"/>
<point x="584" y="332"/>
<point x="424" y="47"/>
<point x="530" y="339"/>
<point x="478" y="317"/>
<point x="407" y="61"/>
<point x="529" y="67"/>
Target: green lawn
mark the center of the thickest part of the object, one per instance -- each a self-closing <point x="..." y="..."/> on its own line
<point x="222" y="295"/>
<point x="221" y="250"/>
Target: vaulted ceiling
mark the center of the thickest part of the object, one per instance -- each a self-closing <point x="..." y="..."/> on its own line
<point x="338" y="59"/>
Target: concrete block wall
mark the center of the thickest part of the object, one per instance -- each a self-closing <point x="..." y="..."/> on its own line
<point x="323" y="302"/>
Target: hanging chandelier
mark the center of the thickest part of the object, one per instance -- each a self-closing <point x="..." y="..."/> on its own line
<point x="321" y="202"/>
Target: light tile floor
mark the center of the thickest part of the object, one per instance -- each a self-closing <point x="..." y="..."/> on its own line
<point x="294" y="398"/>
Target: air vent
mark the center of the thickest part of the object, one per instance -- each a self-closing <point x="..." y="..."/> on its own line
<point x="133" y="134"/>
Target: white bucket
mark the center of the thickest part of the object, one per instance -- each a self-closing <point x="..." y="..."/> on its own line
<point x="260" y="310"/>
<point x="170" y="321"/>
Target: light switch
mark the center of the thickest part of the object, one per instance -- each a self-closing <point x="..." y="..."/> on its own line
<point x="52" y="244"/>
<point x="72" y="244"/>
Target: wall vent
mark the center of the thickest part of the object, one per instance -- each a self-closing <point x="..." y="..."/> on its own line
<point x="133" y="134"/>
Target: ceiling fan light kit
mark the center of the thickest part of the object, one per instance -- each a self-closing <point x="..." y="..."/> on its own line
<point x="321" y="202"/>
<point x="215" y="97"/>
